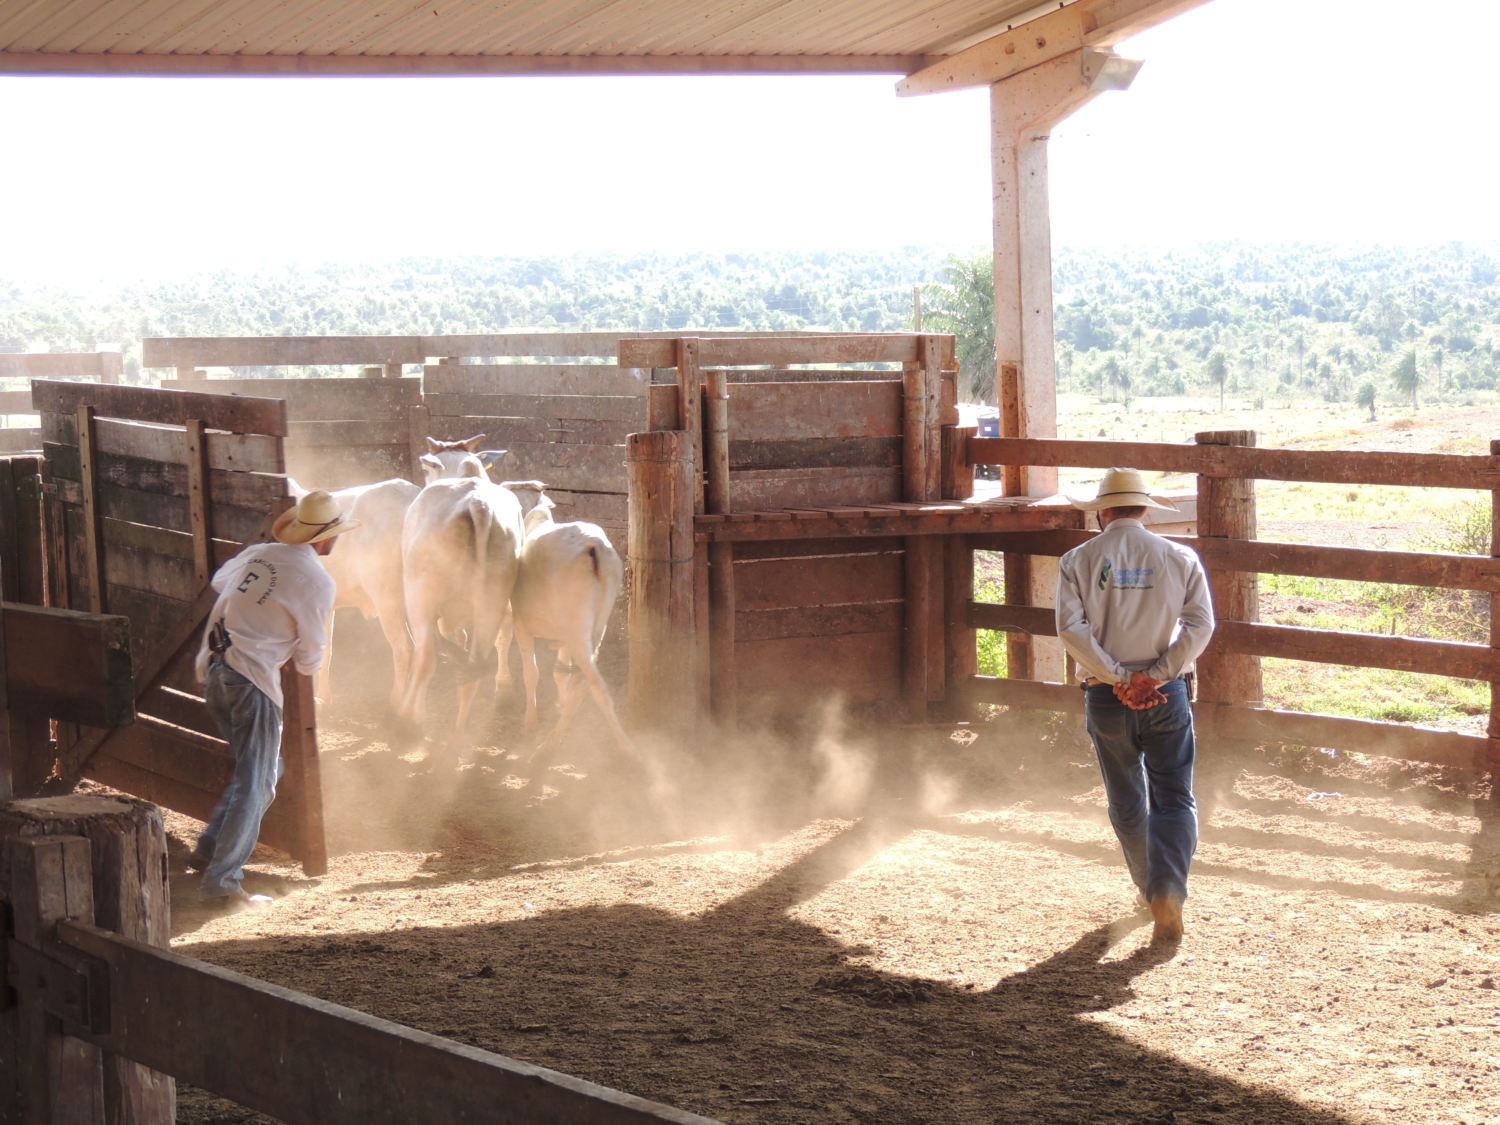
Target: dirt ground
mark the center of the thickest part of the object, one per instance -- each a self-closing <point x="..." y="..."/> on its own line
<point x="935" y="927"/>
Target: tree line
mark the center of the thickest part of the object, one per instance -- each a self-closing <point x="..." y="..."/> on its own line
<point x="1369" y="325"/>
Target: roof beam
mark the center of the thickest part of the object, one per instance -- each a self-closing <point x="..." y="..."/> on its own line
<point x="1083" y="23"/>
<point x="447" y="66"/>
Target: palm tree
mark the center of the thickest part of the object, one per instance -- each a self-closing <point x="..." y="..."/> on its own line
<point x="965" y="306"/>
<point x="1406" y="376"/>
<point x="1218" y="371"/>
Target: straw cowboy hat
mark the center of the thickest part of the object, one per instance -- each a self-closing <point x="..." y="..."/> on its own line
<point x="1120" y="488"/>
<point x="314" y="519"/>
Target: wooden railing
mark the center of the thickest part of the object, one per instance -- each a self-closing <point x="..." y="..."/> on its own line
<point x="99" y="1018"/>
<point x="1230" y="561"/>
<point x="103" y="367"/>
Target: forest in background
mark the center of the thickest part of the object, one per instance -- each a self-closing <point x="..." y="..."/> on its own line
<point x="1366" y="325"/>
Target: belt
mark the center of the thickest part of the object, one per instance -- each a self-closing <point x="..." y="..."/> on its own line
<point x="1185" y="677"/>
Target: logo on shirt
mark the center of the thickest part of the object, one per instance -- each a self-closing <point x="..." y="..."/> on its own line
<point x="253" y="576"/>
<point x="1126" y="577"/>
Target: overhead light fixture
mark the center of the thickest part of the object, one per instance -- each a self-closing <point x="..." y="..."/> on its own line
<point x="1105" y="70"/>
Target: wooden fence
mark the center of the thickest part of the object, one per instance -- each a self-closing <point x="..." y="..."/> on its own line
<point x="104" y="1016"/>
<point x="1229" y="688"/>
<point x="16" y="375"/>
<point x="147" y="492"/>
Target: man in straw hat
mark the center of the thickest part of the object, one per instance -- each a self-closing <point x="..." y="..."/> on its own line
<point x="1133" y="610"/>
<point x="273" y="607"/>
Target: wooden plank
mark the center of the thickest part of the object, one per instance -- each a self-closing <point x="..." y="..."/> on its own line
<point x="1226" y="511"/>
<point x="196" y="457"/>
<point x="256" y="453"/>
<point x="818" y="621"/>
<point x="887" y="519"/>
<point x="16" y="402"/>
<point x="279" y="351"/>
<point x="168" y="478"/>
<point x="663" y="408"/>
<point x="60" y="365"/>
<point x="504" y="432"/>
<point x="553" y="380"/>
<point x="334" y="1065"/>
<point x="538" y="344"/>
<point x="803" y="548"/>
<point x="803" y="673"/>
<point x="27" y="440"/>
<point x="746" y="351"/>
<point x="601" y="408"/>
<point x="60" y="1079"/>
<point x="373" y="430"/>
<point x="832" y="580"/>
<point x="1415" y="470"/>
<point x="1036" y="621"/>
<point x="88" y="478"/>
<point x="815" y="453"/>
<point x="1367" y="650"/>
<point x="303" y="780"/>
<point x="241" y="414"/>
<point x="177" y="708"/>
<point x="787" y="411"/>
<point x="577" y="468"/>
<point x="170" y="512"/>
<point x="319" y="400"/>
<point x="804" y="488"/>
<point x="332" y="467"/>
<point x="69" y="665"/>
<point x="180" y="754"/>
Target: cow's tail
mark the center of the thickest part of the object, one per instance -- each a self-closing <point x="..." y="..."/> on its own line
<point x="606" y="589"/>
<point x="482" y="517"/>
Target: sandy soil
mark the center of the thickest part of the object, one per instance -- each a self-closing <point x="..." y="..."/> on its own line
<point x="932" y="928"/>
<point x="936" y="928"/>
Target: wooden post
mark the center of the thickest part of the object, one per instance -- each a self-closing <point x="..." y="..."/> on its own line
<point x="299" y="750"/>
<point x="93" y="545"/>
<point x="373" y="373"/>
<point x="196" y="455"/>
<point x="417" y="440"/>
<point x="1226" y="510"/>
<point x="1019" y="659"/>
<point x="1493" y="730"/>
<point x="125" y="847"/>
<point x="663" y="603"/>
<point x="722" y="684"/>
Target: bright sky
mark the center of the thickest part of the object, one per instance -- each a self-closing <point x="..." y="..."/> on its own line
<point x="1269" y="120"/>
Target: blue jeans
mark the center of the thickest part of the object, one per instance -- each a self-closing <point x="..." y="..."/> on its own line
<point x="252" y="724"/>
<point x="1146" y="758"/>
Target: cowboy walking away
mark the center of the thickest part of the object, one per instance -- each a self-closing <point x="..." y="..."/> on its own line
<point x="1133" y="611"/>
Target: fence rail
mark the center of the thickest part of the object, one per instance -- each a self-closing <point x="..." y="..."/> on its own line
<point x="1239" y="635"/>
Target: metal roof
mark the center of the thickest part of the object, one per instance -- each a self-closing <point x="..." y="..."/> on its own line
<point x="416" y="37"/>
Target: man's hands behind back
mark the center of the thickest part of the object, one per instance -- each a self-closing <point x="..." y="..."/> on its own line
<point x="1140" y="692"/>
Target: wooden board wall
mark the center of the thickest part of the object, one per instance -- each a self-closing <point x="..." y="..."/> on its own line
<point x="565" y="424"/>
<point x="342" y="432"/>
<point x="123" y="499"/>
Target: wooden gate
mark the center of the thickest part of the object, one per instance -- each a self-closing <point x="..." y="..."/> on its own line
<point x="150" y="490"/>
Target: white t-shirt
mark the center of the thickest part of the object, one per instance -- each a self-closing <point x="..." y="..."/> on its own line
<point x="1130" y="601"/>
<point x="274" y="602"/>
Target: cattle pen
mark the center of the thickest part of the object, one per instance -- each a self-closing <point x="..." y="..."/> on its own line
<point x="795" y="510"/>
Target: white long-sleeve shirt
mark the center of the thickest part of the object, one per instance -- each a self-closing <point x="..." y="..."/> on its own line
<point x="274" y="602"/>
<point x="1130" y="601"/>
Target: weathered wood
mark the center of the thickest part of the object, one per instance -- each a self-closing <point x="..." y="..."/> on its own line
<point x="334" y="1065"/>
<point x="782" y="583"/>
<point x="824" y="410"/>
<point x="799" y="488"/>
<point x="917" y="591"/>
<point x="818" y="621"/>
<point x="241" y="414"/>
<point x="1008" y="391"/>
<point x="1254" y="724"/>
<point x="279" y="351"/>
<point x="808" y="672"/>
<point x="299" y="750"/>
<point x="1226" y="510"/>
<point x="1036" y="621"/>
<point x="256" y="453"/>
<point x="234" y="489"/>
<point x="958" y="474"/>
<point x="721" y="595"/>
<point x="960" y="653"/>
<point x="59" y="1079"/>
<point x="157" y="509"/>
<point x="815" y="453"/>
<point x="663" y="607"/>
<point x="104" y="366"/>
<point x="374" y="430"/>
<point x="26" y="440"/>
<point x="888" y="518"/>
<point x="196" y="456"/>
<point x="126" y="849"/>
<point x="1020" y="653"/>
<point x="88" y="477"/>
<point x="321" y="400"/>
<point x="552" y="380"/>
<point x="1368" y="650"/>
<point x="1416" y="470"/>
<point x="505" y="432"/>
<point x="1492" y="762"/>
<point x="663" y="404"/>
<point x="761" y="351"/>
<point x="615" y="408"/>
<point x="69" y="665"/>
<point x="15" y="402"/>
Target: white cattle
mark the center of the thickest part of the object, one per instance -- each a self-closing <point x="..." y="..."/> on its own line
<point x="569" y="578"/>
<point x="459" y="545"/>
<point x="366" y="569"/>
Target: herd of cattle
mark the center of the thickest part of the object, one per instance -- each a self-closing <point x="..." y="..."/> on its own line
<point x="461" y="564"/>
